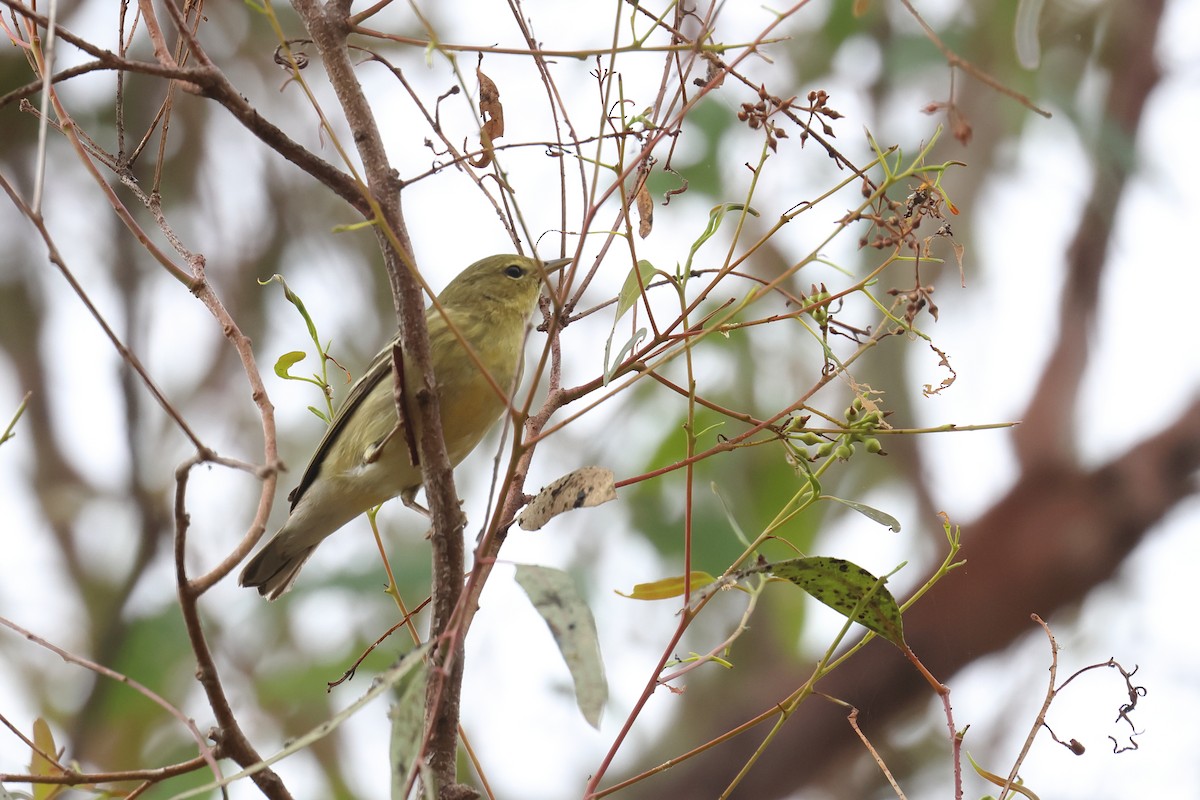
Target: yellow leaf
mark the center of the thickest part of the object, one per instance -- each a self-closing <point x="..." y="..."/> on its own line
<point x="667" y="587"/>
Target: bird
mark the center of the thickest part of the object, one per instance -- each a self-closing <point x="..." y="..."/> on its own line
<point x="364" y="459"/>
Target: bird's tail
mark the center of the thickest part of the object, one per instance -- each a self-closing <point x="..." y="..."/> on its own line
<point x="275" y="567"/>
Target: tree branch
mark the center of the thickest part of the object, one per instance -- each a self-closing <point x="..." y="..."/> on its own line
<point x="328" y="25"/>
<point x="228" y="735"/>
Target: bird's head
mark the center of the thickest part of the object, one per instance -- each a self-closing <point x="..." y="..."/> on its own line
<point x="500" y="282"/>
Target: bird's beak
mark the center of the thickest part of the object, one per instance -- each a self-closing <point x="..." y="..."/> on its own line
<point x="555" y="265"/>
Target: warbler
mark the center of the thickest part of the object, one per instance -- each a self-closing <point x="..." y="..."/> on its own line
<point x="364" y="458"/>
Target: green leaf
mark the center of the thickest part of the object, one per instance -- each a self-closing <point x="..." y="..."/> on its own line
<point x="667" y="587"/>
<point x="848" y="589"/>
<point x="553" y="594"/>
<point x="733" y="523"/>
<point x="637" y="280"/>
<point x="286" y="362"/>
<point x="873" y="514"/>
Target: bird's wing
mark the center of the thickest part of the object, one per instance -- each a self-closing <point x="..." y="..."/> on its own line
<point x="379" y="369"/>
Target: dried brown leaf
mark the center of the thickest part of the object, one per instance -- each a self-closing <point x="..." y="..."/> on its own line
<point x="645" y="208"/>
<point x="492" y="112"/>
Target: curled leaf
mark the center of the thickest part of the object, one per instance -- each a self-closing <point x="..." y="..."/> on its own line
<point x="715" y="216"/>
<point x="295" y="300"/>
<point x="492" y="112"/>
<point x="611" y="364"/>
<point x="645" y="208"/>
<point x="286" y="361"/>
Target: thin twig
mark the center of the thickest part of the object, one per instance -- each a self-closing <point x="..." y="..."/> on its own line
<point x="958" y="62"/>
<point x="206" y="752"/>
<point x="70" y="777"/>
<point x="1040" y="721"/>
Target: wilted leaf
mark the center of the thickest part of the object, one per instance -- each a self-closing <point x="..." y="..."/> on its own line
<point x="645" y="207"/>
<point x="408" y="731"/>
<point x="489" y="106"/>
<point x="667" y="587"/>
<point x="553" y="594"/>
<point x="842" y="586"/>
<point x="493" y="116"/>
<point x="946" y="383"/>
<point x="583" y="488"/>
<point x="715" y="216"/>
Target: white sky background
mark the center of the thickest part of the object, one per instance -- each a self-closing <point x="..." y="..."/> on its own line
<point x="1144" y="367"/>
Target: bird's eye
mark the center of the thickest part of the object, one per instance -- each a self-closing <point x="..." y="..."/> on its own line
<point x="514" y="271"/>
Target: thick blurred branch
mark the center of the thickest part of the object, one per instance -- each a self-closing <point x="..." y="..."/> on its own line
<point x="1056" y="536"/>
<point x="1059" y="533"/>
<point x="1047" y="425"/>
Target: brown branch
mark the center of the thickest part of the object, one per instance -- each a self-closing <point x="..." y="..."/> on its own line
<point x="59" y="31"/>
<point x="70" y="777"/>
<point x="1040" y="720"/>
<point x="33" y="87"/>
<point x="154" y="31"/>
<point x="216" y="87"/>
<point x="328" y="26"/>
<point x="228" y="735"/>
